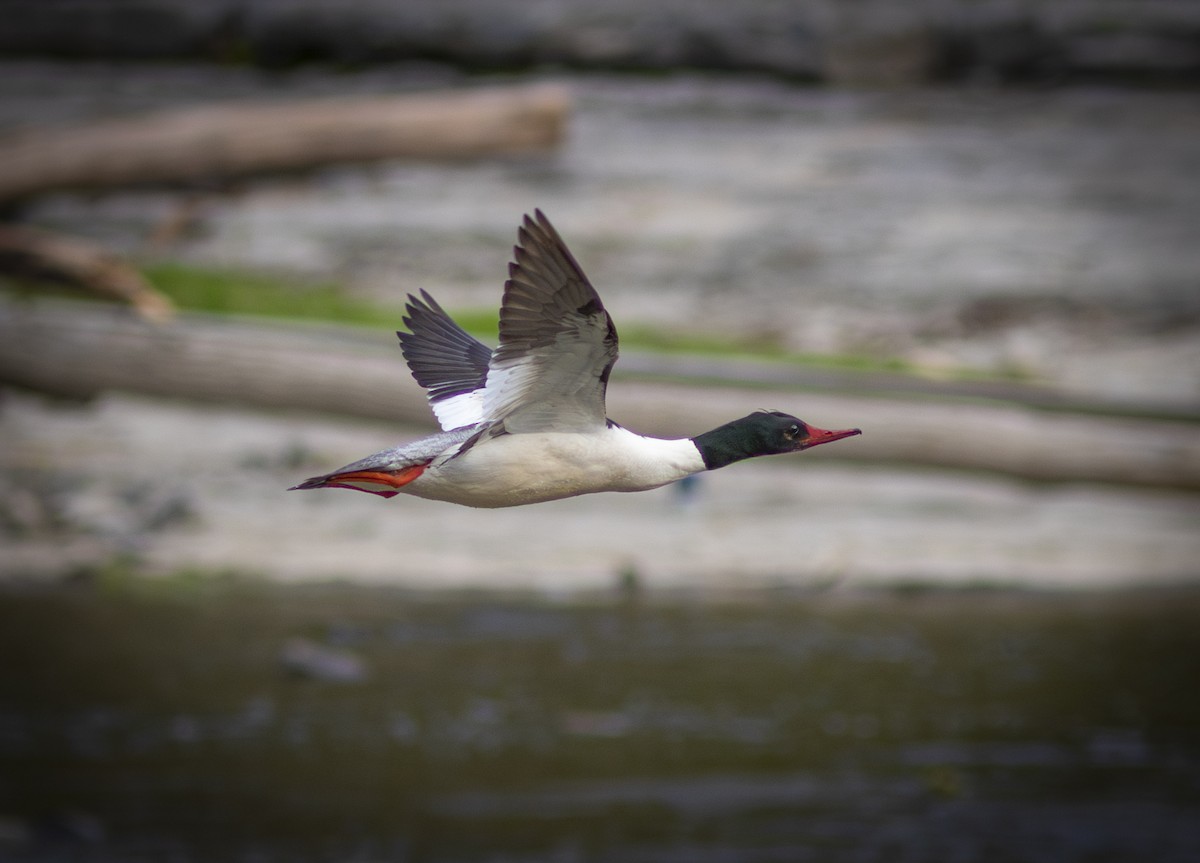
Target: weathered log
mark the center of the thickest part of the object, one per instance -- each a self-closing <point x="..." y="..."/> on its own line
<point x="35" y="256"/>
<point x="204" y="145"/>
<point x="71" y="348"/>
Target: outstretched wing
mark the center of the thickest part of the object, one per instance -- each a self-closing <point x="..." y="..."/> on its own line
<point x="557" y="342"/>
<point x="450" y="364"/>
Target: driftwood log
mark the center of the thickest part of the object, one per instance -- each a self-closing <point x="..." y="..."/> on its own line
<point x="210" y="144"/>
<point x="81" y="350"/>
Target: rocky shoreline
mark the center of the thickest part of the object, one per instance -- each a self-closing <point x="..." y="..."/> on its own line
<point x="862" y="43"/>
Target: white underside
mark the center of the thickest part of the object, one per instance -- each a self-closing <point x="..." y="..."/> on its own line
<point x="516" y="469"/>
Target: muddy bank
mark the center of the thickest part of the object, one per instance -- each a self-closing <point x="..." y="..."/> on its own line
<point x="169" y="487"/>
<point x="1040" y="235"/>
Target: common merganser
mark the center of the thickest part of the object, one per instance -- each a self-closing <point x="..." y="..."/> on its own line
<point x="526" y="423"/>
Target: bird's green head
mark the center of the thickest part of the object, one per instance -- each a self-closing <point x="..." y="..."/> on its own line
<point x="762" y="433"/>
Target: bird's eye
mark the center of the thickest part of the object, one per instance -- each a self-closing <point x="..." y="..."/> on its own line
<point x="792" y="432"/>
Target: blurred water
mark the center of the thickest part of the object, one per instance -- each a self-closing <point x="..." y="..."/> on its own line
<point x="166" y="720"/>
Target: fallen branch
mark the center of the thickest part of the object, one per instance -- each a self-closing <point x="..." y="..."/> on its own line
<point x="34" y="256"/>
<point x="198" y="146"/>
<point x="74" y="349"/>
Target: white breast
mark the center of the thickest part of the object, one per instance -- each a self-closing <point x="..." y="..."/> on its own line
<point x="515" y="469"/>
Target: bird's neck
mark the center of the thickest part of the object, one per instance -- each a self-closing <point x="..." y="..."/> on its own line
<point x="654" y="461"/>
<point x="725" y="444"/>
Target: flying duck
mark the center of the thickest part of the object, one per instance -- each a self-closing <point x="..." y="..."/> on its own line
<point x="526" y="423"/>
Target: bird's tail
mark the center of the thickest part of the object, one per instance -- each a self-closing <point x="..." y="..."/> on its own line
<point x="385" y="483"/>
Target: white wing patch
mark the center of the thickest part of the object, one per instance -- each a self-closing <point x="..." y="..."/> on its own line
<point x="461" y="410"/>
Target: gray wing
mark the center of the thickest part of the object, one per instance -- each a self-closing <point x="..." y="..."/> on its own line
<point x="450" y="364"/>
<point x="557" y="342"/>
